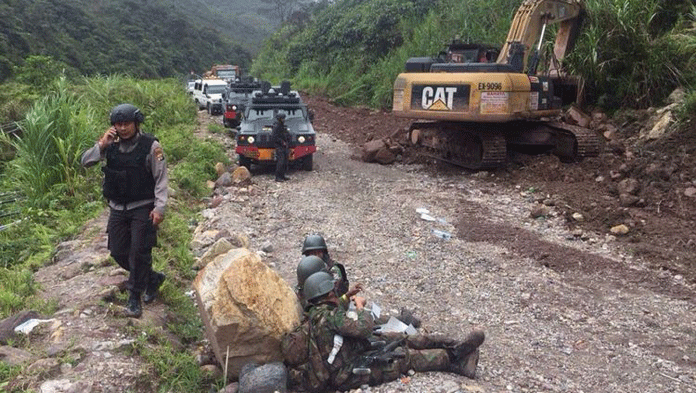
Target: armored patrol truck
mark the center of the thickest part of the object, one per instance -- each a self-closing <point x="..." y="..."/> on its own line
<point x="254" y="141"/>
<point x="235" y="100"/>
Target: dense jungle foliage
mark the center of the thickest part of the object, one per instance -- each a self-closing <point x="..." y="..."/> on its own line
<point x="630" y="52"/>
<point x="145" y="39"/>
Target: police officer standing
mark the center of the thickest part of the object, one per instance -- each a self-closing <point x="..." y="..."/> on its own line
<point x="281" y="142"/>
<point x="135" y="185"/>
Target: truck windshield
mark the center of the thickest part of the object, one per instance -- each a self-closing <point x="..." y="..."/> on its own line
<point x="215" y="89"/>
<point x="226" y="74"/>
<point x="256" y="114"/>
<point x="294" y="113"/>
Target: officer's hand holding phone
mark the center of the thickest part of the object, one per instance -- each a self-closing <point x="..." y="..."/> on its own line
<point x="108" y="138"/>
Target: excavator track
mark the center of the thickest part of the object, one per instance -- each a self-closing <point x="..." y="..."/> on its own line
<point x="573" y="143"/>
<point x="468" y="147"/>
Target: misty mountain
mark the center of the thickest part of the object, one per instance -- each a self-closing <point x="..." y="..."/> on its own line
<point x="148" y="38"/>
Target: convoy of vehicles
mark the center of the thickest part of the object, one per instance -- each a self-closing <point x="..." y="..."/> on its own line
<point x="470" y="104"/>
<point x="469" y="111"/>
<point x="254" y="142"/>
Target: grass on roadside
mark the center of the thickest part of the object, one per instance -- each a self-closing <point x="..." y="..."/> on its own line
<point x="61" y="196"/>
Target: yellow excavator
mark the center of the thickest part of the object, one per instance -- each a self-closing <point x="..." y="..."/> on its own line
<point x="470" y="111"/>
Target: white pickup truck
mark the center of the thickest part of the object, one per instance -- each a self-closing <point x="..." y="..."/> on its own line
<point x="207" y="93"/>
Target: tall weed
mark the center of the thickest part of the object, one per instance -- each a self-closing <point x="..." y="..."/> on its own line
<point x="624" y="57"/>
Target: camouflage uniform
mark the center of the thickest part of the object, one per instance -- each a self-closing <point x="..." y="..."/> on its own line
<point x="420" y="352"/>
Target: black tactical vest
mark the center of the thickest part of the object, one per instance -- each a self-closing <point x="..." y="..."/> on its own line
<point x="126" y="176"/>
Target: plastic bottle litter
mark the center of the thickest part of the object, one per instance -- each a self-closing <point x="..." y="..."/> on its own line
<point x="442" y="234"/>
<point x="422" y="210"/>
<point x="427" y="217"/>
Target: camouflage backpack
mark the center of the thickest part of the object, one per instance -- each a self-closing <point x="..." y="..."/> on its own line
<point x="295" y="345"/>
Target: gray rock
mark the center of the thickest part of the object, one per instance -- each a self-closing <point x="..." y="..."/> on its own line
<point x="267" y="248"/>
<point x="44" y="368"/>
<point x="629" y="186"/>
<point x="14" y="356"/>
<point x="628" y="199"/>
<point x="268" y="378"/>
<point x="56" y="386"/>
<point x="539" y="211"/>
<point x="225" y="180"/>
<point x="231" y="388"/>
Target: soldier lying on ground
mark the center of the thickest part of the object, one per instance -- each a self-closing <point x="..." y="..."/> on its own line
<point x="340" y="354"/>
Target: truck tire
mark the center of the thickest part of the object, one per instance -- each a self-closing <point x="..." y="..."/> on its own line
<point x="307" y="163"/>
<point x="245" y="162"/>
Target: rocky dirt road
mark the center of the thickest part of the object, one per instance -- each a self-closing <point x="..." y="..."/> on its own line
<point x="561" y="314"/>
<point x="563" y="311"/>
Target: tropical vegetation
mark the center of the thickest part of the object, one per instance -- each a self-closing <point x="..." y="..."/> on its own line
<point x="631" y="53"/>
<point x="54" y="196"/>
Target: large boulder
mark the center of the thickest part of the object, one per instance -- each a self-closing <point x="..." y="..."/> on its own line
<point x="246" y="308"/>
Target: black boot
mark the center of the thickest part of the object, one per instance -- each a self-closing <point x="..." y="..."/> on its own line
<point x="153" y="286"/>
<point x="134" y="309"/>
<point x="467" y="365"/>
<point x="469" y="345"/>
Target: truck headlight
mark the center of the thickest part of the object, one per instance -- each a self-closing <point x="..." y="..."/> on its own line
<point x="251" y="140"/>
<point x="301" y="139"/>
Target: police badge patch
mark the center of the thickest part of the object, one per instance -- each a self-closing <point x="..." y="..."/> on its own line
<point x="159" y="154"/>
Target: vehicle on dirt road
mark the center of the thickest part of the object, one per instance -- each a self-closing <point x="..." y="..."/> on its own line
<point x="236" y="98"/>
<point x="254" y="142"/>
<point x="226" y="72"/>
<point x="471" y="112"/>
<point x="207" y="93"/>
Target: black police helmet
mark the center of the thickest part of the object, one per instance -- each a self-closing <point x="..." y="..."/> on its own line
<point x="314" y="242"/>
<point x="126" y="112"/>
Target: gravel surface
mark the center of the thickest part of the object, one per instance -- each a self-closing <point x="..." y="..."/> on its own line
<point x="602" y="322"/>
<point x="565" y="306"/>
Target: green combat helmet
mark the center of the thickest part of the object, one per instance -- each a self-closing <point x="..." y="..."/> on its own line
<point x="317" y="285"/>
<point x="309" y="265"/>
<point x="314" y="242"/>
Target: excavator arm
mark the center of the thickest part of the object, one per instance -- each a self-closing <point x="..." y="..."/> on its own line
<point x="528" y="29"/>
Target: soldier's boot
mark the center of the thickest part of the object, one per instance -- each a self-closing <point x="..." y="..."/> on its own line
<point x="153" y="286"/>
<point x="134" y="309"/>
<point x="469" y="345"/>
<point x="467" y="365"/>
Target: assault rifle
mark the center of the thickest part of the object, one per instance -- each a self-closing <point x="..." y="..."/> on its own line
<point x="385" y="354"/>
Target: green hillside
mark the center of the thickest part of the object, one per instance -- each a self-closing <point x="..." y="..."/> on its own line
<point x="237" y="20"/>
<point x="631" y="53"/>
<point x="145" y="39"/>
